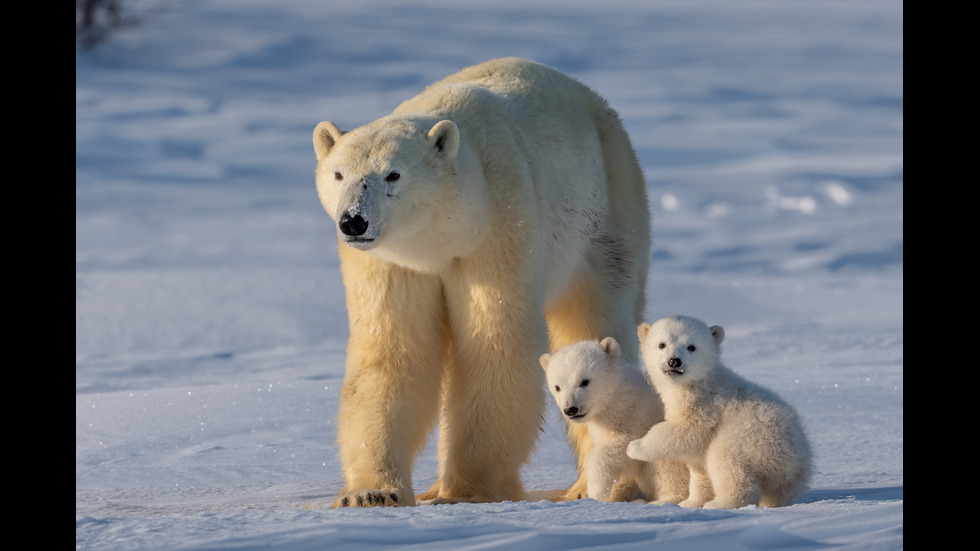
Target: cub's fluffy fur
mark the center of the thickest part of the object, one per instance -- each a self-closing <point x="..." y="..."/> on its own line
<point x="593" y="385"/>
<point x="743" y="443"/>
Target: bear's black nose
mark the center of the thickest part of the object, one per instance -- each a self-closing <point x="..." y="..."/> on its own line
<point x="674" y="362"/>
<point x="353" y="225"/>
<point x="571" y="411"/>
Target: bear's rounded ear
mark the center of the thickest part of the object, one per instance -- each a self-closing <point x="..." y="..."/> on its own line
<point x="642" y="330"/>
<point x="325" y="136"/>
<point x="544" y="359"/>
<point x="718" y="332"/>
<point x="611" y="347"/>
<point x="444" y="137"/>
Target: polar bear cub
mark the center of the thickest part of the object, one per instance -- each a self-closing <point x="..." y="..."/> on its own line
<point x="592" y="384"/>
<point x="744" y="444"/>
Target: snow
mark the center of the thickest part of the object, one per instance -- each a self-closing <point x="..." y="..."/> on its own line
<point x="210" y="326"/>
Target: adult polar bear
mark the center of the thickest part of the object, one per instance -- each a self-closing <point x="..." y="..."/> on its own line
<point x="498" y="210"/>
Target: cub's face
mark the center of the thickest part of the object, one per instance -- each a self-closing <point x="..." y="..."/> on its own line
<point x="679" y="350"/>
<point x="581" y="377"/>
<point x="384" y="183"/>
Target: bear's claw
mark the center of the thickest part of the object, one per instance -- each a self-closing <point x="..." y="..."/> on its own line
<point x="369" y="498"/>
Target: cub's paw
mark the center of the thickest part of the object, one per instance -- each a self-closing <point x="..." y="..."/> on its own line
<point x="673" y="500"/>
<point x="691" y="503"/>
<point x="371" y="498"/>
<point x="723" y="503"/>
<point x="635" y="451"/>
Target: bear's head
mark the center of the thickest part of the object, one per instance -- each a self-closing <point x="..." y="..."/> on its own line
<point x="679" y="349"/>
<point x="582" y="377"/>
<point x="391" y="186"/>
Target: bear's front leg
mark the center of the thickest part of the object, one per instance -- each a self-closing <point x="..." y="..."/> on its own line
<point x="395" y="357"/>
<point x="494" y="395"/>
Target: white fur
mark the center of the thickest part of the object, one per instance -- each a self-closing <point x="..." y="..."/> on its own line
<point x="743" y="443"/>
<point x="593" y="385"/>
<point x="499" y="214"/>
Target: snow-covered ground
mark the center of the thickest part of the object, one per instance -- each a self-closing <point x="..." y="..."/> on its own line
<point x="210" y="325"/>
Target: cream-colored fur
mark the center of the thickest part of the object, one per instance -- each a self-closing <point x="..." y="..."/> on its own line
<point x="592" y="385"/>
<point x="743" y="443"/>
<point x="499" y="214"/>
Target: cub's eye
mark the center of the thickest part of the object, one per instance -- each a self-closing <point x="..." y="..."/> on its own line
<point x="691" y="347"/>
<point x="585" y="382"/>
<point x="662" y="346"/>
<point x="338" y="176"/>
<point x="557" y="388"/>
<point x="392" y="177"/>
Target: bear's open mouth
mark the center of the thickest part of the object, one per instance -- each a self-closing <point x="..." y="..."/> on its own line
<point x="674" y="372"/>
<point x="576" y="416"/>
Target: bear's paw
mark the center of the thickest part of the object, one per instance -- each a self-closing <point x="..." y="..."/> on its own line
<point x="579" y="490"/>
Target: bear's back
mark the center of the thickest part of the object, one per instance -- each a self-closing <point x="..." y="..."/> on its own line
<point x="560" y="171"/>
<point x="524" y="92"/>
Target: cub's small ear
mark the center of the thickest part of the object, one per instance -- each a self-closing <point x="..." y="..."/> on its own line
<point x="642" y="330"/>
<point x="325" y="136"/>
<point x="544" y="359"/>
<point x="718" y="332"/>
<point x="444" y="137"/>
<point x="611" y="347"/>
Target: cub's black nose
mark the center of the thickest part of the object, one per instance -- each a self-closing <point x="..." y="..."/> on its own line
<point x="353" y="225"/>
<point x="674" y="362"/>
<point x="571" y="411"/>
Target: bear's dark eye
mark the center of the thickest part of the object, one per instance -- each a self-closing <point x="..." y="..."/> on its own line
<point x="691" y="347"/>
<point x="557" y="388"/>
<point x="585" y="382"/>
<point x="392" y="177"/>
<point x="662" y="346"/>
<point x="338" y="176"/>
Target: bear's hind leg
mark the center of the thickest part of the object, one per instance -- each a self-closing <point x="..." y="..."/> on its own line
<point x="784" y="486"/>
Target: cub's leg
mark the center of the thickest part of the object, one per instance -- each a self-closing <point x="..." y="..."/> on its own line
<point x="604" y="469"/>
<point x="672" y="480"/>
<point x="701" y="490"/>
<point x="581" y="444"/>
<point x="626" y="489"/>
<point x="734" y="487"/>
<point x="395" y="357"/>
